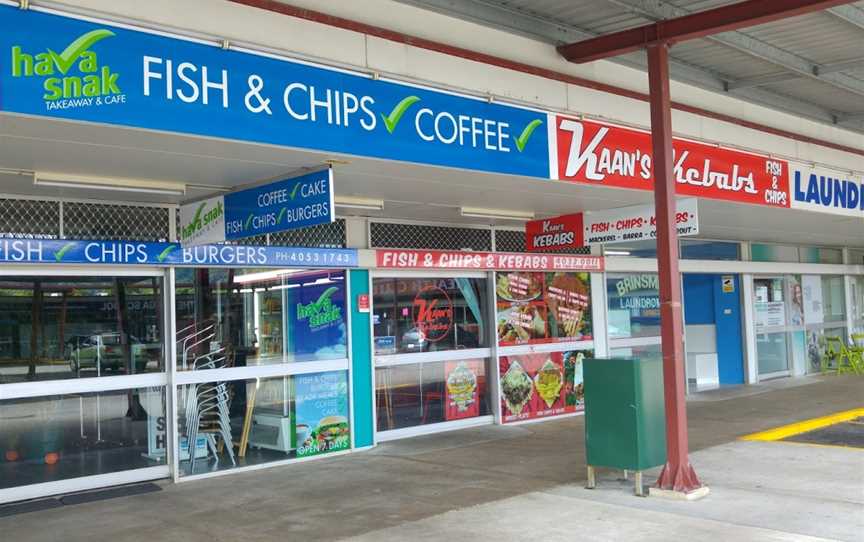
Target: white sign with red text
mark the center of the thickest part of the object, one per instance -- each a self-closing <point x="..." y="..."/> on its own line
<point x="637" y="223"/>
<point x="491" y="261"/>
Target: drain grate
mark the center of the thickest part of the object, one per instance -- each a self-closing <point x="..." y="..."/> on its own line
<point x="28" y="506"/>
<point x="77" y="498"/>
<point x="105" y="494"/>
<point x="850" y="434"/>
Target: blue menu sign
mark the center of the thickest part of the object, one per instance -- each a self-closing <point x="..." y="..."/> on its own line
<point x="296" y="202"/>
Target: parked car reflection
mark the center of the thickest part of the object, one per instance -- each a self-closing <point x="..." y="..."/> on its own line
<point x="105" y="352"/>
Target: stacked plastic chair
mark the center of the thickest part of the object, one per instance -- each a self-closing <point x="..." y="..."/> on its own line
<point x="206" y="405"/>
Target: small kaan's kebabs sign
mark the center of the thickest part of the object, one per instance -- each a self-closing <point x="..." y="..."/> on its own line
<point x="637" y="223"/>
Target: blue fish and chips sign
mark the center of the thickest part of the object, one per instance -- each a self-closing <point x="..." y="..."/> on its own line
<point x="81" y="70"/>
<point x="295" y="202"/>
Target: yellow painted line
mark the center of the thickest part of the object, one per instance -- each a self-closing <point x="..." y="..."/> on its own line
<point x="785" y="431"/>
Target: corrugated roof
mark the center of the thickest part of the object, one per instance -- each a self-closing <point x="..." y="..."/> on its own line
<point x="771" y="64"/>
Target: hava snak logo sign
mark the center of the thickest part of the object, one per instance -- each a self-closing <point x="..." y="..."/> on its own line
<point x="73" y="77"/>
<point x="322" y="312"/>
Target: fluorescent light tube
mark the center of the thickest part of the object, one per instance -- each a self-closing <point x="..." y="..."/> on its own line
<point x="141" y="186"/>
<point x="502" y="214"/>
<point x="350" y="202"/>
<point x="264" y="275"/>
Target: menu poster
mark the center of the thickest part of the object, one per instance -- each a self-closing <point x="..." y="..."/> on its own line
<point x="813" y="310"/>
<point x="770" y="314"/>
<point x="535" y="308"/>
<point x="462" y="389"/>
<point x="532" y="386"/>
<point x="796" y="298"/>
<point x="321" y="413"/>
<point x="574" y="384"/>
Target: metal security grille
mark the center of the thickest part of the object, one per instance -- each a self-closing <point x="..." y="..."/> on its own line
<point x="112" y="221"/>
<point x="514" y="241"/>
<point x="29" y="218"/>
<point x="509" y="241"/>
<point x="330" y="235"/>
<point x="390" y="235"/>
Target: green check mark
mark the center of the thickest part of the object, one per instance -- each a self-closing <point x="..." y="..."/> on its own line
<point x="70" y="54"/>
<point x="164" y="254"/>
<point x="63" y="250"/>
<point x="391" y="120"/>
<point x="249" y="222"/>
<point x="523" y="138"/>
<point x="198" y="212"/>
<point x="294" y="192"/>
<point x="281" y="215"/>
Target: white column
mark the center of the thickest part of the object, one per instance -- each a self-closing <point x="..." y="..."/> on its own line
<point x="356" y="232"/>
<point x="493" y="379"/>
<point x="172" y="455"/>
<point x="751" y="364"/>
<point x="599" y="314"/>
<point x="848" y="298"/>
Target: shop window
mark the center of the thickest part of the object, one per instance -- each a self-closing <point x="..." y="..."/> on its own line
<point x="535" y="386"/>
<point x="643" y="352"/>
<point x="414" y="315"/>
<point x="773" y="253"/>
<point x="535" y="308"/>
<point x="833" y="298"/>
<point x="636" y="249"/>
<point x="821" y="255"/>
<point x="409" y="395"/>
<point x="858" y="305"/>
<point x="56" y="327"/>
<point x="698" y="249"/>
<point x="634" y="305"/>
<point x="251" y="422"/>
<point x="48" y="439"/>
<point x="260" y="316"/>
<point x="542" y="308"/>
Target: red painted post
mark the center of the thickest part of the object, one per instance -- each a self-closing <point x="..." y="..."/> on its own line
<point x="677" y="474"/>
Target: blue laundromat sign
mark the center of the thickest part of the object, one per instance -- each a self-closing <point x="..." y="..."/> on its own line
<point x="73" y="69"/>
<point x="43" y="251"/>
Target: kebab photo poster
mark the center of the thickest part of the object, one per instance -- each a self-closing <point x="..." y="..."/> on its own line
<point x="541" y="385"/>
<point x="537" y="308"/>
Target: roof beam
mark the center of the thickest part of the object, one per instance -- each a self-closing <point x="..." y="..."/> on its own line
<point x="782" y="77"/>
<point x="662" y="12"/>
<point x="850" y="117"/>
<point x="692" y="26"/>
<point x="850" y="14"/>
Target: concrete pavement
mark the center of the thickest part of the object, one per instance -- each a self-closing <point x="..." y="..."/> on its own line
<point x="512" y="483"/>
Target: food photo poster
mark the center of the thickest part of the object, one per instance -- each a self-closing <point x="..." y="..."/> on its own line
<point x="537" y="308"/>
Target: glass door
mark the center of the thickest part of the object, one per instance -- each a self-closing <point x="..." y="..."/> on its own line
<point x="432" y="352"/>
<point x="772" y="348"/>
<point x="82" y="381"/>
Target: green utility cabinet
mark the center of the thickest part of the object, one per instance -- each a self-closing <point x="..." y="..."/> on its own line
<point x="625" y="423"/>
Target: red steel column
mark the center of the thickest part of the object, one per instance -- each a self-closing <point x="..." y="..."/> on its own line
<point x="678" y="474"/>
